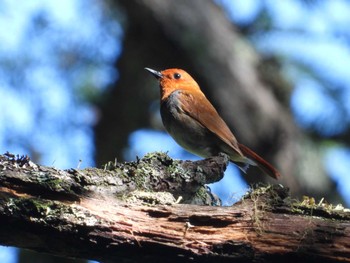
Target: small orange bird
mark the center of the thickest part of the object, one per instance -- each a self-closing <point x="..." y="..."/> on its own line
<point x="193" y="122"/>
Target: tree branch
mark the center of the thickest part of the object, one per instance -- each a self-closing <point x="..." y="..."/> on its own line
<point x="127" y="212"/>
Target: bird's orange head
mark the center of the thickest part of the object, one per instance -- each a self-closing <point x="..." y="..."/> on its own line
<point x="174" y="79"/>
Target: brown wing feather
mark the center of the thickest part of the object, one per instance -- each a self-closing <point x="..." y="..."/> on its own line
<point x="213" y="122"/>
<point x="204" y="112"/>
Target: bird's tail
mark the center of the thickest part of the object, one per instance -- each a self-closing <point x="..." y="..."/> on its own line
<point x="255" y="159"/>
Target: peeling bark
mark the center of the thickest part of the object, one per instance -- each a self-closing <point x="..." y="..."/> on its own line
<point x="116" y="214"/>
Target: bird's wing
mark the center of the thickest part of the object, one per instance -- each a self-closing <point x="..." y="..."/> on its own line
<point x="197" y="106"/>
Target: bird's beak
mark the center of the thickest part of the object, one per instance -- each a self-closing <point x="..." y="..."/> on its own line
<point x="155" y="73"/>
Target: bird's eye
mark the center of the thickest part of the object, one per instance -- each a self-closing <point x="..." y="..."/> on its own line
<point x="177" y="75"/>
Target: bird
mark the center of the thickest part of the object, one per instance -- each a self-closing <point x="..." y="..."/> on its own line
<point x="194" y="123"/>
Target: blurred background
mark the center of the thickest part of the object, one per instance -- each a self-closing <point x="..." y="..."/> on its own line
<point x="73" y="87"/>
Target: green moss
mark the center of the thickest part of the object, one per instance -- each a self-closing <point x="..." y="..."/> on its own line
<point x="54" y="184"/>
<point x="50" y="213"/>
<point x="202" y="193"/>
<point x="163" y="156"/>
<point x="309" y="206"/>
<point x="276" y="197"/>
<point x="149" y="167"/>
<point x="29" y="207"/>
<point x="140" y="176"/>
<point x="268" y="195"/>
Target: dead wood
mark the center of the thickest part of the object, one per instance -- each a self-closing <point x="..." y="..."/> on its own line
<point x="128" y="213"/>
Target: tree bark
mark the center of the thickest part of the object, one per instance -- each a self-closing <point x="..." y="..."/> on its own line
<point x="121" y="213"/>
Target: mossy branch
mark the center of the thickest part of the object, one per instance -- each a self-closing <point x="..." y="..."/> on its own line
<point x="130" y="212"/>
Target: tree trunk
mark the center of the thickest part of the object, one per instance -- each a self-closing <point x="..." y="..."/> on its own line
<point x="133" y="212"/>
